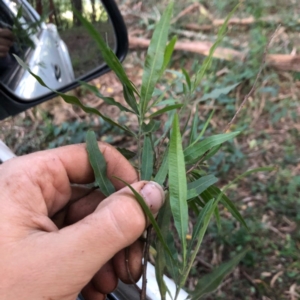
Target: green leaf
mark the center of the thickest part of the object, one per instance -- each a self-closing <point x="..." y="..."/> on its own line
<point x="126" y="153"/>
<point x="107" y="100"/>
<point x="204" y="128"/>
<point x="168" y="53"/>
<point x="165" y="109"/>
<point x="163" y="221"/>
<point x="155" y="58"/>
<point x="147" y="159"/>
<point x="202" y="223"/>
<point x="198" y="234"/>
<point x="178" y="185"/>
<point x="187" y="78"/>
<point x="216" y="93"/>
<point x="194" y="129"/>
<point x="162" y="173"/>
<point x="207" y="62"/>
<point x="210" y="282"/>
<point x="130" y="98"/>
<point x="227" y="203"/>
<point x="108" y="55"/>
<point x="215" y="192"/>
<point x="195" y="188"/>
<point x="159" y="99"/>
<point x="98" y="164"/>
<point x="194" y="152"/>
<point x="173" y="265"/>
<point x="167" y="102"/>
<point x="152" y="126"/>
<point x="74" y="100"/>
<point x="212" y="152"/>
<point x="148" y="214"/>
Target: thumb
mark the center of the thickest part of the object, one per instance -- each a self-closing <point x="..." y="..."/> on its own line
<point x="117" y="222"/>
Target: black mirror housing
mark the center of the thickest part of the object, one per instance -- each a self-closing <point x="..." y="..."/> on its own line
<point x="12" y="104"/>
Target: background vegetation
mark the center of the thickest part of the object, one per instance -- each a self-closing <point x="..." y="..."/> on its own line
<point x="270" y="203"/>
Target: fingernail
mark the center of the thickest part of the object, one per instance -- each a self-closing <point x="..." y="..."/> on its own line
<point x="154" y="196"/>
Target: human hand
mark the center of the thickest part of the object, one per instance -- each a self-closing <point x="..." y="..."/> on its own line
<point x="50" y="249"/>
<point x="6" y="41"/>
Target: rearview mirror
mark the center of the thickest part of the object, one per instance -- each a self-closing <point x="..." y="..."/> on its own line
<point x="61" y="54"/>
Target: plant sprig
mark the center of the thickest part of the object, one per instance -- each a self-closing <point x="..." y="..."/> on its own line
<point x="187" y="185"/>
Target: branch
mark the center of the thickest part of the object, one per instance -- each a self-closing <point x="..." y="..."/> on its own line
<point x="195" y="47"/>
<point x="284" y="62"/>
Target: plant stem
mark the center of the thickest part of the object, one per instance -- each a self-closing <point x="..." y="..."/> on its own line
<point x="140" y="147"/>
<point x="146" y="256"/>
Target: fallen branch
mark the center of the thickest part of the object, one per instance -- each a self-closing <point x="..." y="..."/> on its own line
<point x="219" y="22"/>
<point x="234" y="21"/>
<point x="185" y="11"/>
<point x="195" y="47"/>
<point x="283" y="62"/>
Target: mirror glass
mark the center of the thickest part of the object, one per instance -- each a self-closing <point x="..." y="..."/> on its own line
<point x="51" y="40"/>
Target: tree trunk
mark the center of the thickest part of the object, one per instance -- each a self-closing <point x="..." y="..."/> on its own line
<point x="93" y="11"/>
<point x="51" y="14"/>
<point x="39" y="7"/>
<point x="76" y="4"/>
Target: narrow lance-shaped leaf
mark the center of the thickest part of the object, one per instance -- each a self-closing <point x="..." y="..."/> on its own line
<point x="147" y="159"/>
<point x="216" y="93"/>
<point x="194" y="152"/>
<point x="107" y="100"/>
<point x="210" y="282"/>
<point x="215" y="192"/>
<point x="194" y="139"/>
<point x="198" y="234"/>
<point x="108" y="55"/>
<point x="194" y="128"/>
<point x="168" y="53"/>
<point x="212" y="152"/>
<point x="98" y="164"/>
<point x="158" y="101"/>
<point x="152" y="126"/>
<point x="126" y="153"/>
<point x="207" y="62"/>
<point x="112" y="61"/>
<point x="187" y="78"/>
<point x="163" y="221"/>
<point x="74" y="100"/>
<point x="173" y="265"/>
<point x="155" y="58"/>
<point x="167" y="102"/>
<point x="195" y="188"/>
<point x="178" y="185"/>
<point x="204" y="215"/>
<point x="165" y="109"/>
<point x="162" y="173"/>
<point x="148" y="214"/>
<point x="130" y="98"/>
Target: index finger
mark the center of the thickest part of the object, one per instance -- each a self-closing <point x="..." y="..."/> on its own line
<point x="49" y="173"/>
<point x="6" y="33"/>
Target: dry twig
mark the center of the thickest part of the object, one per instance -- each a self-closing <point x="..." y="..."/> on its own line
<point x="185" y="11"/>
<point x="255" y="82"/>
